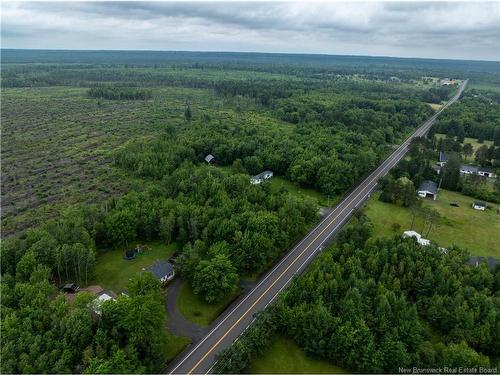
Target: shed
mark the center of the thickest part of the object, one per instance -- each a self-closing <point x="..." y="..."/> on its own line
<point x="162" y="270"/>
<point x="428" y="189"/>
<point x="102" y="297"/>
<point x="210" y="159"/>
<point x="71" y="288"/>
<point x="491" y="262"/>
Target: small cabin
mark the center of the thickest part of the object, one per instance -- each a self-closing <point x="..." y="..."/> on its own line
<point x="71" y="288"/>
<point x="261" y="177"/>
<point x="210" y="159"/>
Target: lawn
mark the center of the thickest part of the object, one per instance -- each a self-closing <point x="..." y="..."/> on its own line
<point x="278" y="182"/>
<point x="435" y="107"/>
<point x="478" y="231"/>
<point x="175" y="345"/>
<point x="113" y="272"/>
<point x="284" y="356"/>
<point x="198" y="311"/>
<point x="473" y="141"/>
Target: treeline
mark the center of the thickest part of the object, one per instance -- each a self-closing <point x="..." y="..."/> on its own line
<point x="477" y="115"/>
<point x="44" y="333"/>
<point x="119" y="93"/>
<point x="378" y="305"/>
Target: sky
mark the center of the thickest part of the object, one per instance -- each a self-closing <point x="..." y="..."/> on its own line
<point x="455" y="30"/>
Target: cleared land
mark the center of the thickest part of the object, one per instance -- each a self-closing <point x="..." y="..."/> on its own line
<point x="477" y="231"/>
<point x="113" y="272"/>
<point x="284" y="356"/>
<point x="198" y="311"/>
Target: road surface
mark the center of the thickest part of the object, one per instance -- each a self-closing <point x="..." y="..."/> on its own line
<point x="199" y="358"/>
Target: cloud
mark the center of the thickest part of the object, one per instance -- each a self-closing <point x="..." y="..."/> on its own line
<point x="424" y="29"/>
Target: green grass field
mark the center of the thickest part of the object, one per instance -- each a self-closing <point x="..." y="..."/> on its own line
<point x="175" y="345"/>
<point x="284" y="356"/>
<point x="198" y="311"/>
<point x="473" y="141"/>
<point x="113" y="272"/>
<point x="477" y="231"/>
<point x="277" y="182"/>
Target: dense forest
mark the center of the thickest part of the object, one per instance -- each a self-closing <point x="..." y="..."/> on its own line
<point x="477" y="115"/>
<point x="379" y="305"/>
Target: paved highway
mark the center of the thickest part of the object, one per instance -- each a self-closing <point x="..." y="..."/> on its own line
<point x="199" y="358"/>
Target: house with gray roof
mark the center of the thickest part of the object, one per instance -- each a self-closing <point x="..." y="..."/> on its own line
<point x="428" y="189"/>
<point x="491" y="262"/>
<point x="469" y="169"/>
<point x="162" y="270"/>
<point x="443" y="158"/>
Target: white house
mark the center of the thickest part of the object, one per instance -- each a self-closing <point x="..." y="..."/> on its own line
<point x="485" y="172"/>
<point x="418" y="236"/>
<point x="261" y="177"/>
<point x="481" y="206"/>
<point x="468" y="169"/>
<point x="427" y="189"/>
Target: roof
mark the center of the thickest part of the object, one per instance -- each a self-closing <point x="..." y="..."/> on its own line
<point x="469" y="168"/>
<point x="485" y="169"/>
<point x="429" y="186"/>
<point x="209" y="158"/>
<point x="482" y="204"/>
<point x="161" y="268"/>
<point x="411" y="233"/>
<point x="262" y="175"/>
<point x="442" y="157"/>
<point x="490" y="261"/>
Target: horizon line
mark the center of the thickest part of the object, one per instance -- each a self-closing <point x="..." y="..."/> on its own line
<point x="247" y="52"/>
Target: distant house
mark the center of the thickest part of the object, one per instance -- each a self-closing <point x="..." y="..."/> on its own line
<point x="103" y="296"/>
<point x="479" y="206"/>
<point x="481" y="171"/>
<point x="210" y="159"/>
<point x="261" y="177"/>
<point x="163" y="271"/>
<point x="448" y="82"/>
<point x="491" y="262"/>
<point x="485" y="172"/>
<point x="443" y="158"/>
<point x="469" y="169"/>
<point x="428" y="189"/>
<point x="418" y="236"/>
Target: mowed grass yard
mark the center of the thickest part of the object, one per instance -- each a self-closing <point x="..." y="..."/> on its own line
<point x="113" y="272"/>
<point x="477" y="231"/>
<point x="284" y="356"/>
<point x="197" y="311"/>
<point x="278" y="182"/>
